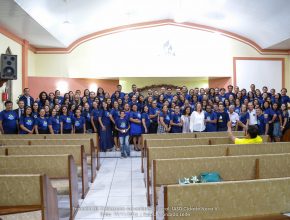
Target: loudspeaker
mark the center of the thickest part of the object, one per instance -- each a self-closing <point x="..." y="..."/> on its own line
<point x="8" y="67"/>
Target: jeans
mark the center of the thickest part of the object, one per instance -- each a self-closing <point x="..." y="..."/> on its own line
<point x="125" y="148"/>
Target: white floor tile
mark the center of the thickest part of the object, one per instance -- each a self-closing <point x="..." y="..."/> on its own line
<point x="116" y="201"/>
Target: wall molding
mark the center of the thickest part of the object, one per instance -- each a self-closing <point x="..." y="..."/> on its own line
<point x="143" y="25"/>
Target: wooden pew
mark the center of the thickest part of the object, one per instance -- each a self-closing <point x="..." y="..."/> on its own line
<point x="27" y="197"/>
<point x="61" y="170"/>
<point x="94" y="136"/>
<point x="263" y="199"/>
<point x="208" y="151"/>
<point x="187" y="142"/>
<point x="232" y="168"/>
<point x="188" y="135"/>
<point x="92" y="158"/>
<point x="76" y="151"/>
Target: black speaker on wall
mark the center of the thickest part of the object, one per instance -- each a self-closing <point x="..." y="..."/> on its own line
<point x="8" y="67"/>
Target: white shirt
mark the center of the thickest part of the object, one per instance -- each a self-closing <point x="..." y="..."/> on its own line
<point x="197" y="121"/>
<point x="234" y="117"/>
<point x="253" y="117"/>
<point x="185" y="120"/>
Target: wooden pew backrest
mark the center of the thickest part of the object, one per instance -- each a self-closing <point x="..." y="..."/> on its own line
<point x="28" y="193"/>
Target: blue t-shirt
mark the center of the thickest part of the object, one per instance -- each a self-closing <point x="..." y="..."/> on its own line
<point x="115" y="114"/>
<point x="87" y="116"/>
<point x="54" y="122"/>
<point x="79" y="123"/>
<point x="27" y="122"/>
<point x="222" y="120"/>
<point x="176" y="119"/>
<point x="285" y="99"/>
<point x="278" y="113"/>
<point x="105" y="117"/>
<point x="67" y="121"/>
<point x="42" y="124"/>
<point x="261" y="122"/>
<point x="135" y="115"/>
<point x="9" y="121"/>
<point x="152" y="111"/>
<point x="268" y="114"/>
<point x="147" y="120"/>
<point x="95" y="113"/>
<point x="166" y="118"/>
<point x="122" y="123"/>
<point x="210" y="127"/>
<point x="244" y="117"/>
<point x="35" y="115"/>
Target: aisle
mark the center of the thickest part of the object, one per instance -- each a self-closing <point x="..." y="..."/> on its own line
<point x="118" y="189"/>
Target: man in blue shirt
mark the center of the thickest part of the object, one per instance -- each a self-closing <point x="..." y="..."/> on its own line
<point x="222" y="119"/>
<point x="210" y="119"/>
<point x="284" y="97"/>
<point x="8" y="120"/>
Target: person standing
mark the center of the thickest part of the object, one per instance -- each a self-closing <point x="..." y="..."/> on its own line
<point x="66" y="121"/>
<point x="185" y="118"/>
<point x="79" y="123"/>
<point x="8" y="119"/>
<point x="53" y="122"/>
<point x="153" y="115"/>
<point x="210" y="119"/>
<point x="122" y="125"/>
<point x="41" y="123"/>
<point x="222" y="118"/>
<point x="136" y="127"/>
<point x="197" y="123"/>
<point x="26" y="98"/>
<point x="175" y="122"/>
<point x="105" y="128"/>
<point x="252" y="114"/>
<point x="26" y="122"/>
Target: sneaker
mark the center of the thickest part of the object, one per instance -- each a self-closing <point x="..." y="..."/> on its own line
<point x="125" y="156"/>
<point x="122" y="157"/>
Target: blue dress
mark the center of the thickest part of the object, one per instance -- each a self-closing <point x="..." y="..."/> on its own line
<point x="106" y="137"/>
<point x="136" y="128"/>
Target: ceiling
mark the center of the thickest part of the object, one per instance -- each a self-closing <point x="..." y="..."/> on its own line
<point x="58" y="23"/>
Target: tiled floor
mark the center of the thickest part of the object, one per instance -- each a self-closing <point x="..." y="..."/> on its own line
<point x="118" y="191"/>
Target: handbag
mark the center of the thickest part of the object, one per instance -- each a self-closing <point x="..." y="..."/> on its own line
<point x="210" y="177"/>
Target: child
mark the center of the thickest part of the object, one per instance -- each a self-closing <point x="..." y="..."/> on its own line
<point x="122" y="126"/>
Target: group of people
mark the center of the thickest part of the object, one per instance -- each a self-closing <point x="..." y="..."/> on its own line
<point x="121" y="116"/>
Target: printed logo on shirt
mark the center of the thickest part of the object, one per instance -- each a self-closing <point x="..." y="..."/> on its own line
<point x="57" y="121"/>
<point x="167" y="117"/>
<point x="123" y="125"/>
<point x="88" y="115"/>
<point x="29" y="122"/>
<point x="178" y="119"/>
<point x="44" y="123"/>
<point x="11" y="117"/>
<point x="139" y="115"/>
<point x="107" y="114"/>
<point x="77" y="123"/>
<point x="68" y="120"/>
<point x="221" y="119"/>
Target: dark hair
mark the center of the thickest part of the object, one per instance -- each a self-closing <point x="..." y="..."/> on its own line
<point x="253" y="131"/>
<point x="8" y="102"/>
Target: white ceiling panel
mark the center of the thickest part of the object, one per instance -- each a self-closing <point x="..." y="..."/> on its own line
<point x="58" y="23"/>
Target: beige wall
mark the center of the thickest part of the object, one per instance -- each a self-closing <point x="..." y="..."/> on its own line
<point x="108" y="57"/>
<point x="16" y="49"/>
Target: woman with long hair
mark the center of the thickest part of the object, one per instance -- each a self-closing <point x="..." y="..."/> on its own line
<point x="197" y="123"/>
<point x="26" y="122"/>
<point x="105" y="128"/>
<point x="41" y="123"/>
<point x="66" y="121"/>
<point x="135" y="127"/>
<point x="164" y="121"/>
<point x="53" y="122"/>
